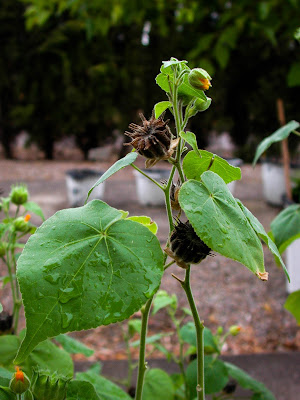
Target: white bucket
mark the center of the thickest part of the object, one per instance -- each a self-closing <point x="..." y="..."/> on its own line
<point x="148" y="193"/>
<point x="79" y="182"/>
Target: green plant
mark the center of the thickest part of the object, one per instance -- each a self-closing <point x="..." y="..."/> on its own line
<point x="95" y="266"/>
<point x="14" y="226"/>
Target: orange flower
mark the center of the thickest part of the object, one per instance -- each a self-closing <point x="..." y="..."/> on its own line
<point x="27" y="217"/>
<point x="19" y="375"/>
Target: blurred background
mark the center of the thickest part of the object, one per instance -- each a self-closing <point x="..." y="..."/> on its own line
<point x="75" y="73"/>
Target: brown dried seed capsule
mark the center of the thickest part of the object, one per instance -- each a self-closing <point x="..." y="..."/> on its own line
<point x="153" y="139"/>
<point x="174" y="192"/>
<point x="185" y="246"/>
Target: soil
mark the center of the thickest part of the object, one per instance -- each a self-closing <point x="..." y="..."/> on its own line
<point x="226" y="293"/>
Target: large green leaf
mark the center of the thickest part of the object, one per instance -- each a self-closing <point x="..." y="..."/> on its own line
<point x="194" y="166"/>
<point x="73" y="346"/>
<point x="83" y="268"/>
<point x="292" y="304"/>
<point x="247" y="382"/>
<point x="45" y="356"/>
<point x="106" y="389"/>
<point x="120" y="164"/>
<point x="277" y="136"/>
<point x="285" y="227"/>
<point x="218" y="220"/>
<point x="81" y="390"/>
<point x="259" y="229"/>
<point x="215" y="375"/>
<point x="158" y="385"/>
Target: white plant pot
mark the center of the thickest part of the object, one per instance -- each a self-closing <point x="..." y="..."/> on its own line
<point x="293" y="265"/>
<point x="274" y="182"/>
<point x="79" y="182"/>
<point x="147" y="192"/>
<point x="236" y="162"/>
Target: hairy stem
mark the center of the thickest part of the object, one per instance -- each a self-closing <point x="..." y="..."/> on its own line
<point x="142" y="363"/>
<point x="199" y="331"/>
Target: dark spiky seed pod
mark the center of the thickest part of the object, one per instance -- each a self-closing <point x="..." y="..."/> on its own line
<point x="153" y="139"/>
<point x="185" y="246"/>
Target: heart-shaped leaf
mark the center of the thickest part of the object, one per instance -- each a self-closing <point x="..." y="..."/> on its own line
<point x="220" y="223"/>
<point x="194" y="166"/>
<point x="259" y="229"/>
<point x="285" y="227"/>
<point x="83" y="268"/>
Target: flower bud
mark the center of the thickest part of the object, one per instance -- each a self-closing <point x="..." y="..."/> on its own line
<point x="19" y="194"/>
<point x="19" y="383"/>
<point x="21" y="224"/>
<point x="234" y="330"/>
<point x="199" y="106"/>
<point x="49" y="387"/>
<point x="199" y="79"/>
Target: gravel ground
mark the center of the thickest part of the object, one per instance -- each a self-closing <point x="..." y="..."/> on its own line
<point x="226" y="293"/>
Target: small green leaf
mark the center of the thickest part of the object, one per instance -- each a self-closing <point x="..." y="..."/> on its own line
<point x="185" y="89"/>
<point x="160" y="107"/>
<point x="285" y="227"/>
<point x="188" y="334"/>
<point x="277" y="136"/>
<point x="215" y="375"/>
<point x="187" y="311"/>
<point x="1" y="308"/>
<point x="106" y="389"/>
<point x="33" y="207"/>
<point x="120" y="164"/>
<point x="220" y="223"/>
<point x="190" y="137"/>
<point x="162" y="299"/>
<point x="194" y="166"/>
<point x="85" y="267"/>
<point x="171" y="63"/>
<point x="247" y="382"/>
<point x="259" y="229"/>
<point x="73" y="346"/>
<point x="146" y="221"/>
<point x="158" y="385"/>
<point x="292" y="304"/>
<point x="134" y="326"/>
<point x="5" y="377"/>
<point x="81" y="390"/>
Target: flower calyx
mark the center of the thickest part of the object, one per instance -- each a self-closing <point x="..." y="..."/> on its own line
<point x="153" y="139"/>
<point x="20" y="382"/>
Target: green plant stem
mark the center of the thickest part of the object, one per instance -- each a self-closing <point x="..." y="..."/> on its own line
<point x="167" y="198"/>
<point x="199" y="331"/>
<point x="142" y="363"/>
<point x="180" y="362"/>
<point x="129" y="358"/>
<point x="148" y="177"/>
<point x="169" y="265"/>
